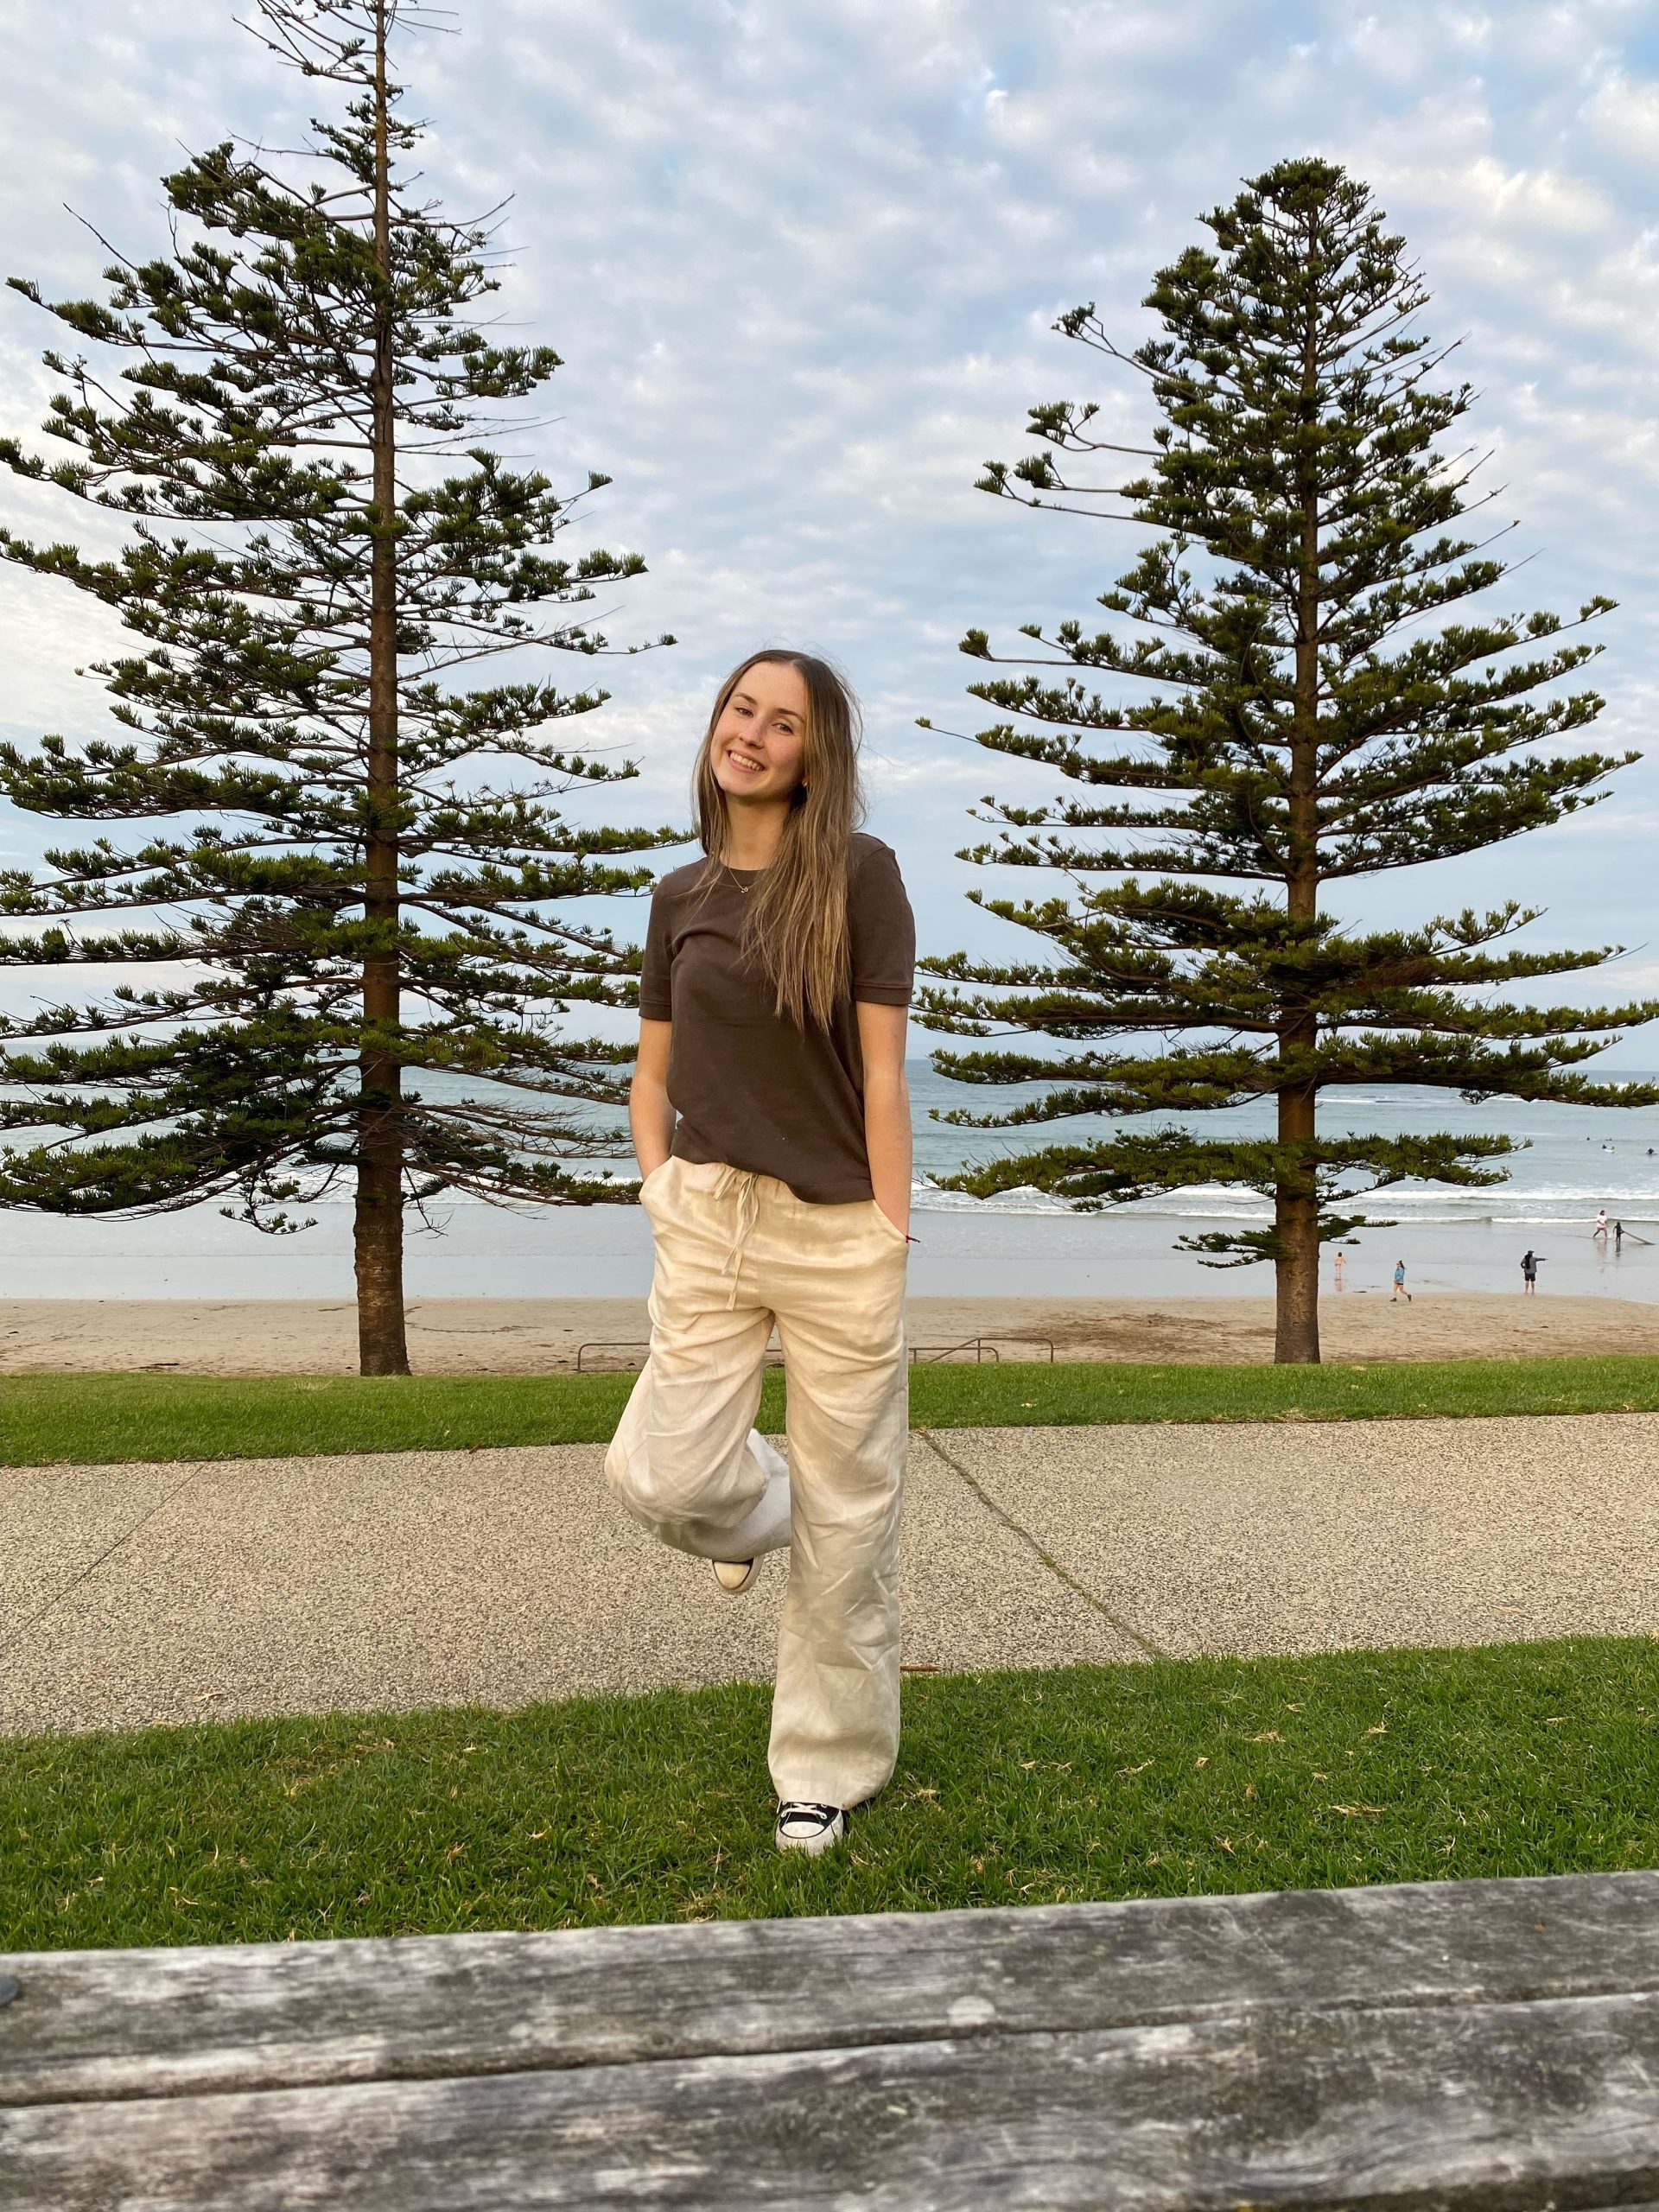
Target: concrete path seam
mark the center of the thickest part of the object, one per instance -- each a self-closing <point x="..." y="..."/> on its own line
<point x="1061" y="1574"/>
<point x="87" y="1572"/>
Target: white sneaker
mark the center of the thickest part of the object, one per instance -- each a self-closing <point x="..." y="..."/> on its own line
<point x="767" y="1527"/>
<point x="811" y="1828"/>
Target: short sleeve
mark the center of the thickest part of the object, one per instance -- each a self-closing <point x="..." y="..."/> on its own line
<point x="883" y="931"/>
<point x="655" y="992"/>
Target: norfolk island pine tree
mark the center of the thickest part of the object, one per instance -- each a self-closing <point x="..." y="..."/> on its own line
<point x="1323" y="710"/>
<point x="308" y="567"/>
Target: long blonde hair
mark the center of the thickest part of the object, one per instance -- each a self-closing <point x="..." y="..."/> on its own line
<point x="796" y="926"/>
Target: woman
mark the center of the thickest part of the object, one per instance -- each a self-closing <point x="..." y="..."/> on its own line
<point x="772" y="1123"/>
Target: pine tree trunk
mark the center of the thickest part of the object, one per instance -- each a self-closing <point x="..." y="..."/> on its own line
<point x="1296" y="1222"/>
<point x="1296" y="1208"/>
<point x="383" y="1346"/>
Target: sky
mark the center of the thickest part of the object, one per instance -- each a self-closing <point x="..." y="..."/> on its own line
<point x="802" y="259"/>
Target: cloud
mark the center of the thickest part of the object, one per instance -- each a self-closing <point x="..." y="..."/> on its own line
<point x="802" y="264"/>
<point x="1624" y="117"/>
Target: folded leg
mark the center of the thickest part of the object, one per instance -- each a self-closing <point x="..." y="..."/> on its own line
<point x="680" y="1459"/>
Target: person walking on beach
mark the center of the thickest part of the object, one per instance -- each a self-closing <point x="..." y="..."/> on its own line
<point x="1600" y="1229"/>
<point x="1340" y="1270"/>
<point x="1400" y="1290"/>
<point x="772" y="1124"/>
<point x="1529" y="1260"/>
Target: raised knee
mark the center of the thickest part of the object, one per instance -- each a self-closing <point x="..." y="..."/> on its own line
<point x="652" y="1487"/>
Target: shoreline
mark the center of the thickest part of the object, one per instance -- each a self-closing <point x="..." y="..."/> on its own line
<point x="543" y="1336"/>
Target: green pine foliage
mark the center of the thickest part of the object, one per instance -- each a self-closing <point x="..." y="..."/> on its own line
<point x="321" y="552"/>
<point x="1323" y="704"/>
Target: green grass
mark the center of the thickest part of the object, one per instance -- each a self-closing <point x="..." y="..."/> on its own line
<point x="102" y="1418"/>
<point x="1108" y="1390"/>
<point x="1137" y="1781"/>
<point x="94" y="1419"/>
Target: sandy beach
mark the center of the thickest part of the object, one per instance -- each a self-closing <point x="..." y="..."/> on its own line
<point x="543" y="1336"/>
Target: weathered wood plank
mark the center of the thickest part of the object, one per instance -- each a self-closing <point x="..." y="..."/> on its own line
<point x="1472" y="2108"/>
<point x="136" y="2023"/>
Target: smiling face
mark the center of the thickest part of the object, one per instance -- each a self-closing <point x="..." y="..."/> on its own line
<point x="775" y="789"/>
<point x="758" y="745"/>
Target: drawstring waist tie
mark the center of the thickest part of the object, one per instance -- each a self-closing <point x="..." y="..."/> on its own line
<point x="746" y="1184"/>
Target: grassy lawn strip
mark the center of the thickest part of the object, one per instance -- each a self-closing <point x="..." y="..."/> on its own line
<point x="100" y="1419"/>
<point x="1136" y="1781"/>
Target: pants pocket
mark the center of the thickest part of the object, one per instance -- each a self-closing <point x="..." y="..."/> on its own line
<point x="890" y="1228"/>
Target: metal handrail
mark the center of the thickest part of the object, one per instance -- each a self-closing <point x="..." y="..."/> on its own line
<point x="611" y="1343"/>
<point x="643" y="1344"/>
<point x="981" y="1347"/>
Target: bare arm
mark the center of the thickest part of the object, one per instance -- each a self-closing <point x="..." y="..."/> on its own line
<point x="650" y="1115"/>
<point x="881" y="1033"/>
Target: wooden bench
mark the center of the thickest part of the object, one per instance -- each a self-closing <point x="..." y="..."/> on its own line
<point x="1450" y="2044"/>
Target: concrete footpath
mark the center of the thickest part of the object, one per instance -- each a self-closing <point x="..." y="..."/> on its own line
<point x="139" y="1594"/>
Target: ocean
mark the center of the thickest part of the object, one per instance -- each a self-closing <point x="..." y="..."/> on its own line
<point x="1025" y="1243"/>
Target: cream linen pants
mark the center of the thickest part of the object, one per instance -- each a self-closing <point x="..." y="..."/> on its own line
<point x="737" y="1251"/>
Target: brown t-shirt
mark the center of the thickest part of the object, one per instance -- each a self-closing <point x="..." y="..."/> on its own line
<point x="748" y="1088"/>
